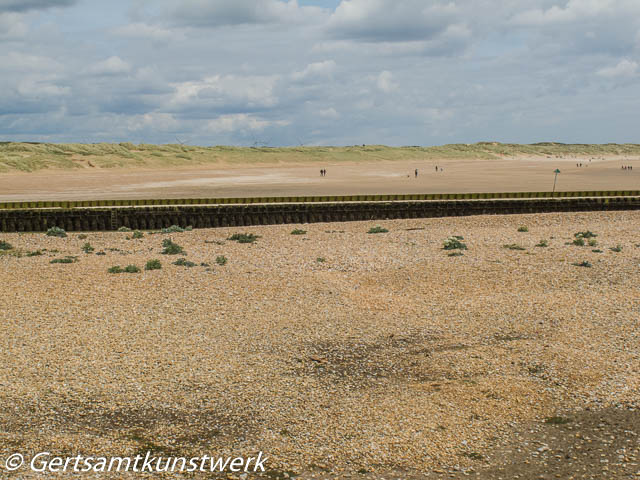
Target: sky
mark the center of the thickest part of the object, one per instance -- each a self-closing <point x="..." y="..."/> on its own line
<point x="320" y="72"/>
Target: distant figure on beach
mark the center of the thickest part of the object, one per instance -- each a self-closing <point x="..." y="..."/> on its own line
<point x="436" y="168"/>
<point x="416" y="173"/>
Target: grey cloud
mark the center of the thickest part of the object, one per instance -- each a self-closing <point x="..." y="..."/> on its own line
<point x="396" y="72"/>
<point x="390" y="21"/>
<point x="11" y="26"/>
<point x="215" y="13"/>
<point x="26" y="5"/>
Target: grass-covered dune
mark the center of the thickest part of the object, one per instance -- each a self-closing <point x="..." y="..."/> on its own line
<point x="29" y="157"/>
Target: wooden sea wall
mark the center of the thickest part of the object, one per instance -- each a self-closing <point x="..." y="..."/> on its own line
<point x="211" y="216"/>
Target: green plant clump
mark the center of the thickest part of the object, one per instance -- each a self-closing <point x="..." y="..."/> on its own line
<point x="377" y="229"/>
<point x="221" y="260"/>
<point x="56" y="232"/>
<point x="183" y="262"/>
<point x="153" y="265"/>
<point x="137" y="234"/>
<point x="63" y="260"/>
<point x="244" y="237"/>
<point x="124" y="229"/>
<point x="617" y="248"/>
<point x="297" y="231"/>
<point x="586" y="234"/>
<point x="543" y="243"/>
<point x="523" y="229"/>
<point x="321" y="260"/>
<point x="5" y="245"/>
<point x="454" y="243"/>
<point x="87" y="248"/>
<point x="171" y="248"/>
<point x="579" y="241"/>
<point x="127" y="269"/>
<point x="513" y="246"/>
<point x="583" y="264"/>
<point x="35" y="253"/>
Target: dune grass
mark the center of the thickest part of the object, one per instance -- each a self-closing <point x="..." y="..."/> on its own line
<point x="30" y="157"/>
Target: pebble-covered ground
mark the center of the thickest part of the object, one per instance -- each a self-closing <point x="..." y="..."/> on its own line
<point x="338" y="353"/>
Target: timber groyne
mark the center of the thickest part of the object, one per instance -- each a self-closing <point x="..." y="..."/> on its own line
<point x="109" y="218"/>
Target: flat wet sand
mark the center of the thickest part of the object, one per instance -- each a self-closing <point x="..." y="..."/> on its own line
<point x="500" y="175"/>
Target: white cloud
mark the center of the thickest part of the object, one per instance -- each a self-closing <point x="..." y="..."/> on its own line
<point x="111" y="66"/>
<point x="37" y="88"/>
<point x="241" y="122"/>
<point x="152" y="120"/>
<point x="152" y="32"/>
<point x="12" y="26"/>
<point x="385" y="82"/>
<point x="314" y="70"/>
<point x="20" y="62"/>
<point x="221" y="90"/>
<point x="329" y="113"/>
<point x="573" y="11"/>
<point x="624" y="68"/>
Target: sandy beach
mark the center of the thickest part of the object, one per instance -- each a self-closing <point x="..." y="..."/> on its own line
<point x="343" y="178"/>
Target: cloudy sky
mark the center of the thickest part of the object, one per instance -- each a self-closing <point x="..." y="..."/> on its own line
<point x="320" y="72"/>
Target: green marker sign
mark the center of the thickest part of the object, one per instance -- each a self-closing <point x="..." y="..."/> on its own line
<point x="556" y="171"/>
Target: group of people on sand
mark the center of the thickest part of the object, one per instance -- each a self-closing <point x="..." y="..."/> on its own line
<point x="438" y="169"/>
<point x="579" y="165"/>
<point x="323" y="171"/>
<point x="627" y="167"/>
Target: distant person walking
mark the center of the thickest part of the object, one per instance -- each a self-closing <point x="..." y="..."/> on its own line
<point x="416" y="173"/>
<point x="436" y="168"/>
